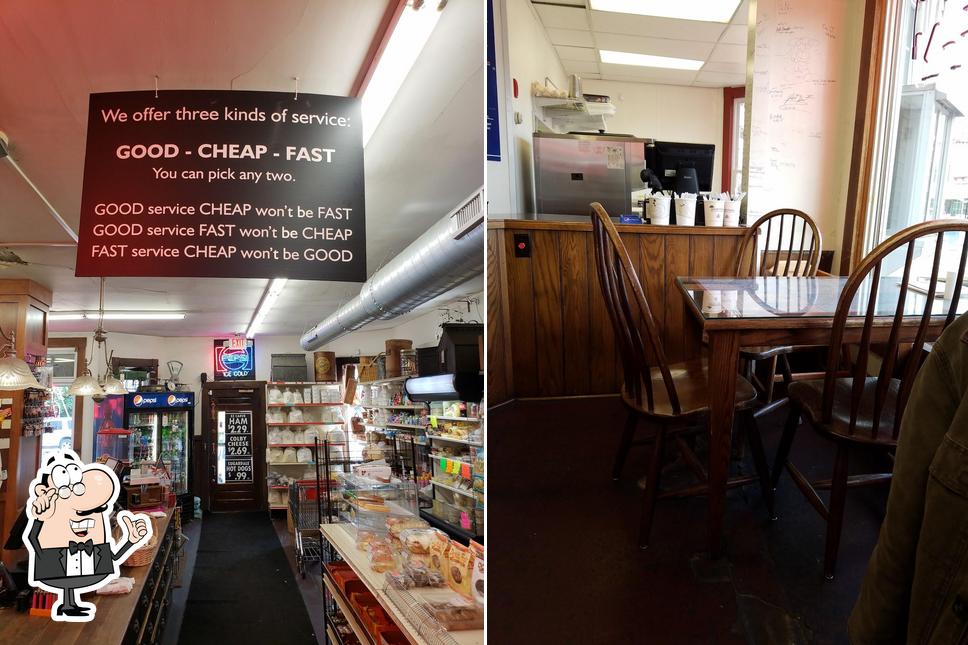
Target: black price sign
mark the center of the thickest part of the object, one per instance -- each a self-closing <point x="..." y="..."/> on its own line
<point x="238" y="469"/>
<point x="238" y="447"/>
<point x="214" y="183"/>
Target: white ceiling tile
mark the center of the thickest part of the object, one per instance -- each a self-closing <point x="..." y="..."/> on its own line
<point x="724" y="53"/>
<point x="623" y="23"/>
<point x="555" y="17"/>
<point x="646" y="74"/>
<point x="586" y="54"/>
<point x="571" y="37"/>
<point x="654" y="46"/>
<point x="735" y="35"/>
<point x="725" y="68"/>
<point x="720" y="79"/>
<point x="580" y="67"/>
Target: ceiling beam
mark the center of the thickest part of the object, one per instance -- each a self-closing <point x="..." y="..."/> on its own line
<point x="380" y="39"/>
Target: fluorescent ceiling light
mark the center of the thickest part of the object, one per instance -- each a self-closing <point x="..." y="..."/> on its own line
<point x="646" y="60"/>
<point x="272" y="293"/>
<point x="409" y="36"/>
<point x="118" y="315"/>
<point x="705" y="10"/>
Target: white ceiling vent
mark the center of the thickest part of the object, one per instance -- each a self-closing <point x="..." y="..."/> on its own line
<point x="468" y="215"/>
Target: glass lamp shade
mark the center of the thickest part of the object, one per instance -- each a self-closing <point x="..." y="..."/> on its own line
<point x="15" y="374"/>
<point x="85" y="385"/>
<point x="113" y="385"/>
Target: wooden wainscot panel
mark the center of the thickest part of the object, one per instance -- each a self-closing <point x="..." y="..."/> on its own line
<point x="548" y="330"/>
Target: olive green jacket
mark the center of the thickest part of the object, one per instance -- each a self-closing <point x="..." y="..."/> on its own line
<point x="916" y="587"/>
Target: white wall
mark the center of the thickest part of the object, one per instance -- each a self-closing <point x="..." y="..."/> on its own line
<point x="801" y="109"/>
<point x="666" y="113"/>
<point x="531" y="57"/>
<point x="198" y="354"/>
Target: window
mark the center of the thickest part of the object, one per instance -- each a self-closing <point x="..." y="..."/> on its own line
<point x="63" y="361"/>
<point x="920" y="169"/>
<point x="739" y="121"/>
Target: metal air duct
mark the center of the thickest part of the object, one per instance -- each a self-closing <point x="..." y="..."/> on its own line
<point x="449" y="254"/>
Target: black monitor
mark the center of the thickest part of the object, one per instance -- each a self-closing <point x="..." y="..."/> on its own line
<point x="665" y="158"/>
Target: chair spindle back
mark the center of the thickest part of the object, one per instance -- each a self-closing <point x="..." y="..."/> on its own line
<point x="801" y="255"/>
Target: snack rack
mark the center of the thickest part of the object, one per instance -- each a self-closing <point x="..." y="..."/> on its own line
<point x="456" y="459"/>
<point x="396" y="423"/>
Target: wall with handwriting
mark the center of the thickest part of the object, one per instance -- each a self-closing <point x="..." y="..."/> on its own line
<point x="801" y="109"/>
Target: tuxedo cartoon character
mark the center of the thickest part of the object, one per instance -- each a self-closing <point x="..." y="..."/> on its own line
<point x="68" y="536"/>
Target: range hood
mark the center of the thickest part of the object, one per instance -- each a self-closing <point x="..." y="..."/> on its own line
<point x="449" y="254"/>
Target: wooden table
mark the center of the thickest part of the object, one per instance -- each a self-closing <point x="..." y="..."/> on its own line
<point x="113" y="620"/>
<point x="746" y="312"/>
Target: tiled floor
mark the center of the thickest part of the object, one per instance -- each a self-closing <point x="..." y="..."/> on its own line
<point x="563" y="560"/>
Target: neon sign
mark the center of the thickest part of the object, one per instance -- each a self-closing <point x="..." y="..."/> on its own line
<point x="234" y="360"/>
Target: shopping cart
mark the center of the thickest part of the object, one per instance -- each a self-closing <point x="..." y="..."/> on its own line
<point x="304" y="506"/>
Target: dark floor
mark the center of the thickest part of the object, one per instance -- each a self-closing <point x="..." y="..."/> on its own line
<point x="309" y="585"/>
<point x="243" y="589"/>
<point x="564" y="564"/>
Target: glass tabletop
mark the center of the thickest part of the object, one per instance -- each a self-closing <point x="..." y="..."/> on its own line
<point x="797" y="297"/>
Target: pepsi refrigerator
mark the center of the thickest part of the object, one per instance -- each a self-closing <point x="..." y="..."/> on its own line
<point x="162" y="427"/>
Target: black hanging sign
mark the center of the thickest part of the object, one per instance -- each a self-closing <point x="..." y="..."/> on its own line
<point x="216" y="183"/>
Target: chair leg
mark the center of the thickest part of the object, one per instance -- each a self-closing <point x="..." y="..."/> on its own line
<point x="835" y="512"/>
<point x="769" y="380"/>
<point x="786" y="440"/>
<point x="759" y="460"/>
<point x="785" y="369"/>
<point x="628" y="433"/>
<point x="651" y="487"/>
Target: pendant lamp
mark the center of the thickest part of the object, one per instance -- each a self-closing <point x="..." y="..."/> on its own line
<point x="15" y="374"/>
<point x="85" y="385"/>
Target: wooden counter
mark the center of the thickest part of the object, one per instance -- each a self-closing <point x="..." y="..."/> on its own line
<point x="135" y="617"/>
<point x="547" y="326"/>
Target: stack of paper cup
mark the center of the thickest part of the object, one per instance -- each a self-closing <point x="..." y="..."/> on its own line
<point x="685" y="211"/>
<point x="660" y="209"/>
<point x="712" y="302"/>
<point x="731" y="212"/>
<point x="714" y="210"/>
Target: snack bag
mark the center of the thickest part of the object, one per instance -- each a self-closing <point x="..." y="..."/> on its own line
<point x="439" y="548"/>
<point x="460" y="561"/>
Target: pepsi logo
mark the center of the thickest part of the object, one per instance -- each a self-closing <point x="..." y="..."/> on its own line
<point x="171" y="399"/>
<point x="137" y="399"/>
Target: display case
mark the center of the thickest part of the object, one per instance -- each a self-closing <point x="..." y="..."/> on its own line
<point x="115" y="443"/>
<point x="395" y="427"/>
<point x="161" y="427"/>
<point x="456" y="437"/>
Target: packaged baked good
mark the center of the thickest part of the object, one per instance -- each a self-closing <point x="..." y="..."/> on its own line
<point x="417" y="540"/>
<point x="460" y="561"/>
<point x="422" y="575"/>
<point x="477" y="576"/>
<point x="364" y="539"/>
<point x="381" y="558"/>
<point x="399" y="580"/>
<point x="396" y="524"/>
<point x="439" y="547"/>
<point x="457" y="614"/>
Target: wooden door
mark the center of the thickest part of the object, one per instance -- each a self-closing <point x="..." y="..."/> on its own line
<point x="234" y="445"/>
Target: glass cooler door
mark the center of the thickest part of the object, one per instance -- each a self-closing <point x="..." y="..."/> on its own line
<point x="144" y="429"/>
<point x="173" y="447"/>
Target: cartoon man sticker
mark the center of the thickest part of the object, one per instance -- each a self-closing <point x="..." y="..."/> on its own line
<point x="68" y="536"/>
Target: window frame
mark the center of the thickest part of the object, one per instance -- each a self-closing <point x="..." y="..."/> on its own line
<point x="79" y="345"/>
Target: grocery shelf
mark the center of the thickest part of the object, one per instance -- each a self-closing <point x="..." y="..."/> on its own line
<point x="301" y="405"/>
<point x="302" y="382"/>
<point x="461" y="491"/>
<point x="449" y="528"/>
<point x="478" y="444"/>
<point x="308" y="423"/>
<point x="278" y="507"/>
<point x="344" y="606"/>
<point x="304" y="445"/>
<point x="339" y="536"/>
<point x="405" y="425"/>
<point x="382" y="381"/>
<point x="468" y="419"/>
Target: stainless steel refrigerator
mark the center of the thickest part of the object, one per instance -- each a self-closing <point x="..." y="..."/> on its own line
<point x="573" y="170"/>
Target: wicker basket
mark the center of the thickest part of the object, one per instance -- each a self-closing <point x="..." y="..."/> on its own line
<point x="144" y="555"/>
